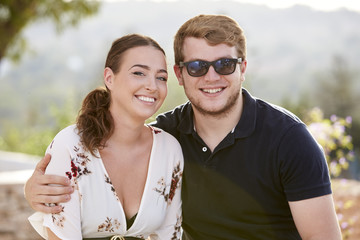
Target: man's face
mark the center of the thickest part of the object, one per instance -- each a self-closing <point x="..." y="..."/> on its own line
<point x="211" y="94"/>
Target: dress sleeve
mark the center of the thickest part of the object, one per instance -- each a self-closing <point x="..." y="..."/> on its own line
<point x="67" y="223"/>
<point x="171" y="226"/>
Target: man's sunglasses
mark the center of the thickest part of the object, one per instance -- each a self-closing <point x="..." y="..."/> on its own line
<point x="223" y="66"/>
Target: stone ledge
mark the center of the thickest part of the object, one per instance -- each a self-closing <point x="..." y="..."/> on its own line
<point x="15" y="177"/>
<point x="14" y="212"/>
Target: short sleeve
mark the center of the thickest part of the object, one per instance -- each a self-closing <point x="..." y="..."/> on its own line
<point x="304" y="170"/>
<point x="67" y="223"/>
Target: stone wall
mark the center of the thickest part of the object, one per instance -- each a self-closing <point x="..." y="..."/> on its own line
<point x="14" y="212"/>
<point x="15" y="169"/>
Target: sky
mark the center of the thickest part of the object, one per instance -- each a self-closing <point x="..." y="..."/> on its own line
<point x="324" y="5"/>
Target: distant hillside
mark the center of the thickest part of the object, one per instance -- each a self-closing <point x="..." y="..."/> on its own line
<point x="286" y="49"/>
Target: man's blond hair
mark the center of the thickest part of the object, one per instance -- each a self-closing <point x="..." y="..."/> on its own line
<point x="215" y="29"/>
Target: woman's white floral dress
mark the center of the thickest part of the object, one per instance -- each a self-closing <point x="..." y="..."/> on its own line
<point x="94" y="210"/>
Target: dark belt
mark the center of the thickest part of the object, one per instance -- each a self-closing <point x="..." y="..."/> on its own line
<point x="114" y="238"/>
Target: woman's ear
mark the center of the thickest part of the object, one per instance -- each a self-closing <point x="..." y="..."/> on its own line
<point x="108" y="77"/>
<point x="177" y="70"/>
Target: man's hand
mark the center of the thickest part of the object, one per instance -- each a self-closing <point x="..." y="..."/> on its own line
<point x="37" y="190"/>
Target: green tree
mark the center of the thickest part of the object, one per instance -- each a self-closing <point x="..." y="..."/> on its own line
<point x="336" y="90"/>
<point x="15" y="15"/>
<point x="34" y="137"/>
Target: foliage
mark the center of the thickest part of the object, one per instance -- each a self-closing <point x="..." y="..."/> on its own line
<point x="332" y="136"/>
<point x="15" y="15"/>
<point x="34" y="139"/>
<point x="336" y="89"/>
<point x="345" y="224"/>
<point x="336" y="92"/>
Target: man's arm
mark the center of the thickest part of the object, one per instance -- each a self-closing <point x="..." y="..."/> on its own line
<point x="37" y="190"/>
<point x="316" y="219"/>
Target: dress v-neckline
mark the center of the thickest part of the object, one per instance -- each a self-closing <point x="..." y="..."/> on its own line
<point x="125" y="219"/>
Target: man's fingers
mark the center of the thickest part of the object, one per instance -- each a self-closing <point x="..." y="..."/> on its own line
<point x="51" y="179"/>
<point x="51" y="199"/>
<point x="48" y="193"/>
<point x="40" y="177"/>
<point x="45" y="209"/>
<point x="41" y="166"/>
<point x="56" y="190"/>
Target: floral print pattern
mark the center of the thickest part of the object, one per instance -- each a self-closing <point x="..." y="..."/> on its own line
<point x="78" y="168"/>
<point x="109" y="225"/>
<point x="78" y="165"/>
<point x="156" y="131"/>
<point x="93" y="188"/>
<point x="175" y="183"/>
<point x="58" y="219"/>
<point x="108" y="181"/>
<point x="177" y="228"/>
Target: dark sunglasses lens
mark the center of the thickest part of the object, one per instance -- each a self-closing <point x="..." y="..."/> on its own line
<point x="197" y="68"/>
<point x="225" y="66"/>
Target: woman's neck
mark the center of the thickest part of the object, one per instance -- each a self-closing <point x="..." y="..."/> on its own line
<point x="127" y="130"/>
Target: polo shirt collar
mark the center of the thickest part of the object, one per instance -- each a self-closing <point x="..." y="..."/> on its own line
<point x="186" y="124"/>
<point x="244" y="128"/>
<point x="246" y="125"/>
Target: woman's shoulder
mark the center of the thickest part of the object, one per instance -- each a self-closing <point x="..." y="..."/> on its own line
<point x="68" y="135"/>
<point x="69" y="131"/>
<point x="166" y="144"/>
<point x="162" y="134"/>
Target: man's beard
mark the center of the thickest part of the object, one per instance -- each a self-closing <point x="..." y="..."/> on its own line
<point x="220" y="113"/>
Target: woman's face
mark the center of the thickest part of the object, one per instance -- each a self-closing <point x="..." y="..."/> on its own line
<point x="139" y="88"/>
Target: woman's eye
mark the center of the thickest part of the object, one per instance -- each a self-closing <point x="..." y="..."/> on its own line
<point x="162" y="79"/>
<point x="139" y="73"/>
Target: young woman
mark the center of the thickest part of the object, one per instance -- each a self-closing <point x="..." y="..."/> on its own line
<point x="126" y="175"/>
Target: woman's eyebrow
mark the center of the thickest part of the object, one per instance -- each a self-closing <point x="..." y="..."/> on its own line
<point x="140" y="65"/>
<point x="148" y="68"/>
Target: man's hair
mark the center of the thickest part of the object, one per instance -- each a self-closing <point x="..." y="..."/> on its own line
<point x="215" y="29"/>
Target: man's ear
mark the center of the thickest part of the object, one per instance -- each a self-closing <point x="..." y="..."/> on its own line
<point x="108" y="77"/>
<point x="243" y="66"/>
<point x="177" y="70"/>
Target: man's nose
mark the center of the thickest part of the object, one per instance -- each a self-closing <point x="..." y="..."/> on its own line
<point x="212" y="74"/>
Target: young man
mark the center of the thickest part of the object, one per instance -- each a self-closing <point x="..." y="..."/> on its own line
<point x="252" y="169"/>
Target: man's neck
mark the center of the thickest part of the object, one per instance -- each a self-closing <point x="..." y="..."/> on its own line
<point x="213" y="129"/>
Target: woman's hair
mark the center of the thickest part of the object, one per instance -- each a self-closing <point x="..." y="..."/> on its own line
<point x="215" y="29"/>
<point x="94" y="122"/>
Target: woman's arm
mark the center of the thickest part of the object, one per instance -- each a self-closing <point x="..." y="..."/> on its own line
<point x="51" y="235"/>
<point x="67" y="223"/>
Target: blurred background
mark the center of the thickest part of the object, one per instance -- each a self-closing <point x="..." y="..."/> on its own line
<point x="302" y="55"/>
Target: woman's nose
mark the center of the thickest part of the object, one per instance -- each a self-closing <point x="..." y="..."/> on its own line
<point x="151" y="84"/>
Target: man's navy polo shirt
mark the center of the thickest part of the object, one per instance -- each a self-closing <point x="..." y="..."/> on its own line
<point x="241" y="189"/>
